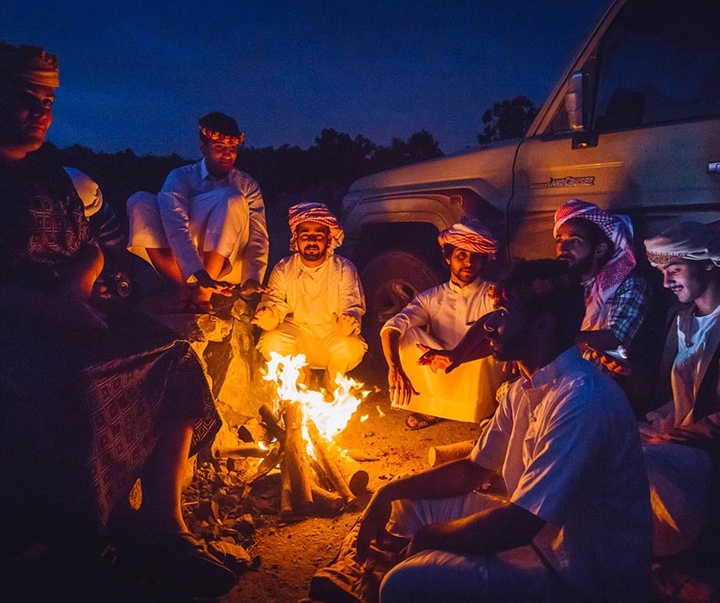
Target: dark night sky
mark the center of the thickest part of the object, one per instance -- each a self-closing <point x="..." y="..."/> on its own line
<point x="138" y="74"/>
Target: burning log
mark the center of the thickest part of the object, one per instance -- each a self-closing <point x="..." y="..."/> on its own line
<point x="329" y="462"/>
<point x="357" y="478"/>
<point x="271" y="423"/>
<point x="295" y="461"/>
<point x="286" y="505"/>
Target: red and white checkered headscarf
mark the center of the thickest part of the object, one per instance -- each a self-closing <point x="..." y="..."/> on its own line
<point x="619" y="230"/>
<point x="469" y="235"/>
<point x="315" y="212"/>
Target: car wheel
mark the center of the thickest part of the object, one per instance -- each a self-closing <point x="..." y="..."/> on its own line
<point x="391" y="280"/>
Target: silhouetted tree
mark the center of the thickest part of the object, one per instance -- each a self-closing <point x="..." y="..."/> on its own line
<point x="507" y="119"/>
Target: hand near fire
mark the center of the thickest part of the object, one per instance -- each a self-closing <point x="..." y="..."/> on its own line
<point x="401" y="388"/>
<point x="345" y="325"/>
<point x="266" y="317"/>
<point x="251" y="286"/>
<point x="204" y="280"/>
<point x="440" y="360"/>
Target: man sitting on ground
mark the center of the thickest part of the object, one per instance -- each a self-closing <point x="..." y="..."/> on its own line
<point x="315" y="302"/>
<point x="205" y="231"/>
<point x="94" y="395"/>
<point x="439" y="317"/>
<point x="576" y="523"/>
<point x="683" y="435"/>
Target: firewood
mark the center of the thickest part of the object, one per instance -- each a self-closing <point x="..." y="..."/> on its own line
<point x="356" y="477"/>
<point x="327" y="461"/>
<point x="325" y="500"/>
<point x="242" y="450"/>
<point x="296" y="461"/>
<point x="271" y="423"/>
<point x="286" y="506"/>
<point x="437" y="455"/>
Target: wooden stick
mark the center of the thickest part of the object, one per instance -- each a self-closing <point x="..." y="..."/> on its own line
<point x="356" y="477"/>
<point x="437" y="455"/>
<point x="296" y="461"/>
<point x="286" y="505"/>
<point x="243" y="450"/>
<point x="325" y="500"/>
<point x="271" y="423"/>
<point x="325" y="458"/>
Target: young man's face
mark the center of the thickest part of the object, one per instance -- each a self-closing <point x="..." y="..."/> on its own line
<point x="465" y="266"/>
<point x="25" y="116"/>
<point x="219" y="156"/>
<point x="685" y="278"/>
<point x="312" y="242"/>
<point x="508" y="327"/>
<point x="573" y="246"/>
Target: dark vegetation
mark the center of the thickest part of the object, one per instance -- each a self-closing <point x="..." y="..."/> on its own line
<point x="322" y="172"/>
<point x="287" y="173"/>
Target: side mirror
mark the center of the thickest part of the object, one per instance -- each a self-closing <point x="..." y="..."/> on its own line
<point x="574" y="102"/>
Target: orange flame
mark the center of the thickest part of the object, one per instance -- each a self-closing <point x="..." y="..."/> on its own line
<point x="331" y="417"/>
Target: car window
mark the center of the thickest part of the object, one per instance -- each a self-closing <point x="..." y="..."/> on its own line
<point x="659" y="62"/>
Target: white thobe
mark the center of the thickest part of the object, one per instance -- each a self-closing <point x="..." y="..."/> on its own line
<point x="195" y="212"/>
<point x="438" y="318"/>
<point x="305" y="300"/>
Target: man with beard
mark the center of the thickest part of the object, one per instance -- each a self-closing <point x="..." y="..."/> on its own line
<point x="315" y="301"/>
<point x="439" y="317"/>
<point x="574" y="523"/>
<point x="617" y="329"/>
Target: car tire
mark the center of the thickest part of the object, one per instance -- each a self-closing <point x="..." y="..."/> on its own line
<point x="391" y="280"/>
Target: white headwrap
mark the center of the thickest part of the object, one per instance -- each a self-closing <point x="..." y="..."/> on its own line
<point x="693" y="241"/>
<point x="315" y="212"/>
<point x="469" y="235"/>
<point x="619" y="230"/>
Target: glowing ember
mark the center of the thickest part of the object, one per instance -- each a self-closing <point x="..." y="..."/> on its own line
<point x="331" y="417"/>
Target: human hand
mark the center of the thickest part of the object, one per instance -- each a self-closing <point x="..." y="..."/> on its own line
<point x="251" y="286"/>
<point x="205" y="281"/>
<point x="373" y="524"/>
<point x="401" y="389"/>
<point x="345" y="325"/>
<point x="266" y="318"/>
<point x="442" y="360"/>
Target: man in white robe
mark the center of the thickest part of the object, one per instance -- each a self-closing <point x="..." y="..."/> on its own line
<point x="438" y="318"/>
<point x="314" y="303"/>
<point x="682" y="437"/>
<point x="205" y="231"/>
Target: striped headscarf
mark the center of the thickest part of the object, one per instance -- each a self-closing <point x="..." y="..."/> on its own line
<point x="314" y="212"/>
<point x="470" y="235"/>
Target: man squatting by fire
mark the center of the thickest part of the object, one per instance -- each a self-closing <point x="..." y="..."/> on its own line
<point x="94" y="394"/>
<point x="439" y="317"/>
<point x="205" y="231"/>
<point x="315" y="302"/>
<point x="575" y="523"/>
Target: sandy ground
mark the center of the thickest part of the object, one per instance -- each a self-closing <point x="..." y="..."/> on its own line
<point x="290" y="553"/>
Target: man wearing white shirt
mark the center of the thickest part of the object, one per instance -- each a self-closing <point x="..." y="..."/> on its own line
<point x="315" y="302"/>
<point x="682" y="437"/>
<point x="438" y="318"/>
<point x="574" y="524"/>
<point x="205" y="231"/>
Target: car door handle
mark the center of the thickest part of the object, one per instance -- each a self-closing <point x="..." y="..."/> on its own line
<point x="714" y="166"/>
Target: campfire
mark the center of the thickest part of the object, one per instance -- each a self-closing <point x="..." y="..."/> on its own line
<point x="317" y="476"/>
